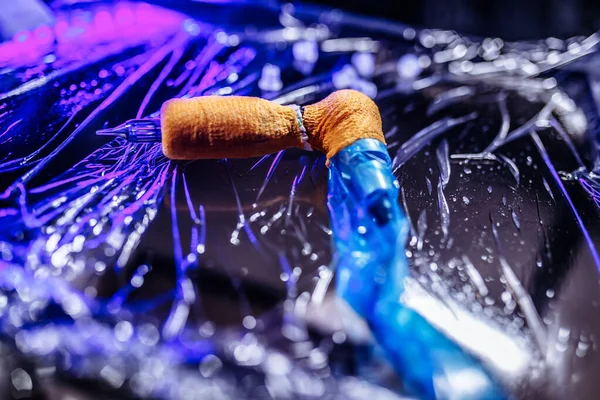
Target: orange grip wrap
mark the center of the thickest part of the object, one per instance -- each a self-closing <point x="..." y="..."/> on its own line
<point x="239" y="127"/>
<point x="341" y="119"/>
<point x="234" y="127"/>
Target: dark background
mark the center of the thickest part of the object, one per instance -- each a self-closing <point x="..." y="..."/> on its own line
<point x="509" y="19"/>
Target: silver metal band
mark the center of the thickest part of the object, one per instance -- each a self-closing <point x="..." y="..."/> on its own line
<point x="299" y="113"/>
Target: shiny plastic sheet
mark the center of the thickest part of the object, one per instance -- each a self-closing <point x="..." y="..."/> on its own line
<point x="213" y="279"/>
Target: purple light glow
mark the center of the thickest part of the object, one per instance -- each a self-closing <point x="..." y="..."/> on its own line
<point x="127" y="22"/>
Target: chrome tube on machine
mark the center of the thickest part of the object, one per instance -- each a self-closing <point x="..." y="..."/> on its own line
<point x="369" y="233"/>
<point x="146" y="130"/>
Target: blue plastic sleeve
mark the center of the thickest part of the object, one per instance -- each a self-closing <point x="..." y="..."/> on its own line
<point x="369" y="233"/>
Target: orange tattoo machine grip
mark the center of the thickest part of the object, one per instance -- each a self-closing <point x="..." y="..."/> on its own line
<point x="239" y="127"/>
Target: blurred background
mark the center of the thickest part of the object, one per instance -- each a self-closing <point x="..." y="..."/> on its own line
<point x="509" y="19"/>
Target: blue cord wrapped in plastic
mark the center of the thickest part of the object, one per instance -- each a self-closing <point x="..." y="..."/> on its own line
<point x="369" y="232"/>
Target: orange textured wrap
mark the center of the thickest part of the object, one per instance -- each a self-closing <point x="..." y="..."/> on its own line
<point x="341" y="119"/>
<point x="233" y="126"/>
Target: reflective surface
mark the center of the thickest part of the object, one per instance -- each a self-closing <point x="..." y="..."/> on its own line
<point x="139" y="276"/>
